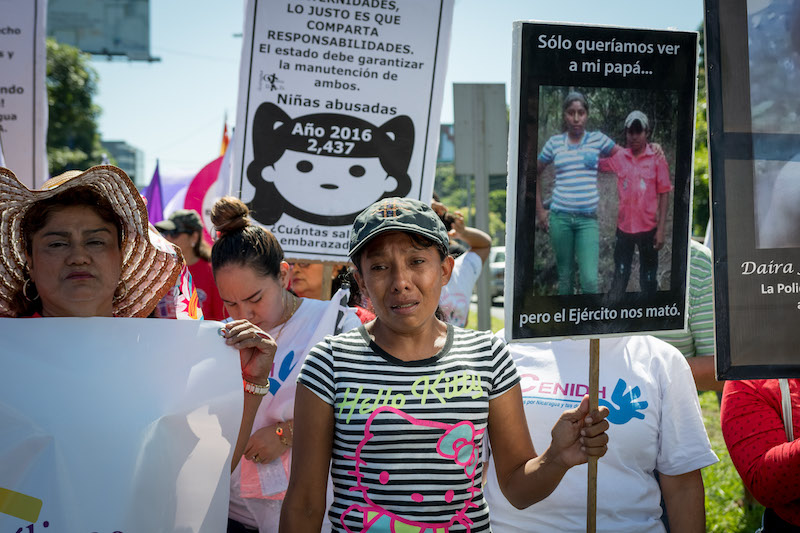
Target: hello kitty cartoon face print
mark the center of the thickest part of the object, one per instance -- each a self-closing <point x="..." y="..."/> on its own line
<point x="394" y="497"/>
<point x="325" y="168"/>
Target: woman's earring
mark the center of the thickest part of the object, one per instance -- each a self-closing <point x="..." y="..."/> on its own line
<point x="124" y="291"/>
<point x="25" y="290"/>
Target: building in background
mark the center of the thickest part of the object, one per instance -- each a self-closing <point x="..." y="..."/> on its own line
<point x="112" y="28"/>
<point x="128" y="158"/>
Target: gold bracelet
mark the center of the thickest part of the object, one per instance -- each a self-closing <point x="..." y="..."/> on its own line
<point x="282" y="434"/>
<point x="255" y="388"/>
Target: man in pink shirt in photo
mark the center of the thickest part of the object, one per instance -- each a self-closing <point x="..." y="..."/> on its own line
<point x="643" y="185"/>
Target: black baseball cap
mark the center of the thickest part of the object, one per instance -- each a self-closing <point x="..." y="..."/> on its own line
<point x="397" y="214"/>
<point x="181" y="221"/>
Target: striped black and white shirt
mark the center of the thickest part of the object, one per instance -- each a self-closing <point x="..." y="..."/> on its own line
<point x="408" y="434"/>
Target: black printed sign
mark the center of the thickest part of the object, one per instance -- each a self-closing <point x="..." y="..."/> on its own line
<point x="600" y="180"/>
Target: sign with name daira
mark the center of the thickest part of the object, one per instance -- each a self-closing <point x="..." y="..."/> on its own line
<point x="753" y="68"/>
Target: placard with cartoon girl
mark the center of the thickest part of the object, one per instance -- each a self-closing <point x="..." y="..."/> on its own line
<point x="325" y="168"/>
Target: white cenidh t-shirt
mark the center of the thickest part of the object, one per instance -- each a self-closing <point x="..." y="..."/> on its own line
<point x="655" y="424"/>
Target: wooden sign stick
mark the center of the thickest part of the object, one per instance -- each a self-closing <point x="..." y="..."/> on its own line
<point x="594" y="386"/>
<point x="327" y="280"/>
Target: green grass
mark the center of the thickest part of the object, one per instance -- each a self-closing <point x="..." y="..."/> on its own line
<point x="726" y="511"/>
<point x="472" y="322"/>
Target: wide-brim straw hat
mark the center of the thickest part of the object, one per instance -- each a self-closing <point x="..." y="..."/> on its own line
<point x="147" y="272"/>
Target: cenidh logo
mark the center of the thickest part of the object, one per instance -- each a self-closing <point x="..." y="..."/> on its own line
<point x="624" y="405"/>
<point x="531" y="383"/>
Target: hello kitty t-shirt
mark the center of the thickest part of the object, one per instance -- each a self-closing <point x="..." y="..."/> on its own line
<point x="408" y="435"/>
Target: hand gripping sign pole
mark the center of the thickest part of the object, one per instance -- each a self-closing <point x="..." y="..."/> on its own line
<point x="327" y="280"/>
<point x="594" y="386"/>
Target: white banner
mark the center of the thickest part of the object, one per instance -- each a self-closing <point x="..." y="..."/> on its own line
<point x="23" y="97"/>
<point x="338" y="108"/>
<point x="116" y="425"/>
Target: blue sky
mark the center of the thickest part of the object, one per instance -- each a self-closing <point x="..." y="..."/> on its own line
<point x="174" y="110"/>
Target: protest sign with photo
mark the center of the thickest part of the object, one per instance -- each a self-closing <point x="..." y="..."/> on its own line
<point x="600" y="165"/>
<point x="116" y="425"/>
<point x="23" y="97"/>
<point x="338" y="108"/>
<point x="753" y="58"/>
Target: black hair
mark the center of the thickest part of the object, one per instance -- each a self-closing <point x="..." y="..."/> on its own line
<point x="201" y="248"/>
<point x="346" y="277"/>
<point x="242" y="243"/>
<point x="575" y="96"/>
<point x="448" y="219"/>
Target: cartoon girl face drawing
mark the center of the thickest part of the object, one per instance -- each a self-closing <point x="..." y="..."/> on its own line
<point x="325" y="168"/>
<point x="330" y="185"/>
<point x="392" y="486"/>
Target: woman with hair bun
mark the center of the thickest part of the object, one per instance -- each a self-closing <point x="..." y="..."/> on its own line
<point x="252" y="278"/>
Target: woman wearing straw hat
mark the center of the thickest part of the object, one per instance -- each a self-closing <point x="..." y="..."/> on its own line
<point x="252" y="278"/>
<point x="79" y="247"/>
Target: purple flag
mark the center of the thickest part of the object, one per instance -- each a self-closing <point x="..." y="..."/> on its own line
<point x="152" y="193"/>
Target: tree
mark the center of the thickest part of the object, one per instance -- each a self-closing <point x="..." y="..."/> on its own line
<point x="73" y="140"/>
<point x="453" y="192"/>
<point x="497" y="203"/>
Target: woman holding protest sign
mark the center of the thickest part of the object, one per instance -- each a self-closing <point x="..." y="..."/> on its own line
<point x="79" y="247"/>
<point x="401" y="405"/>
<point x="571" y="215"/>
<point x="252" y="278"/>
